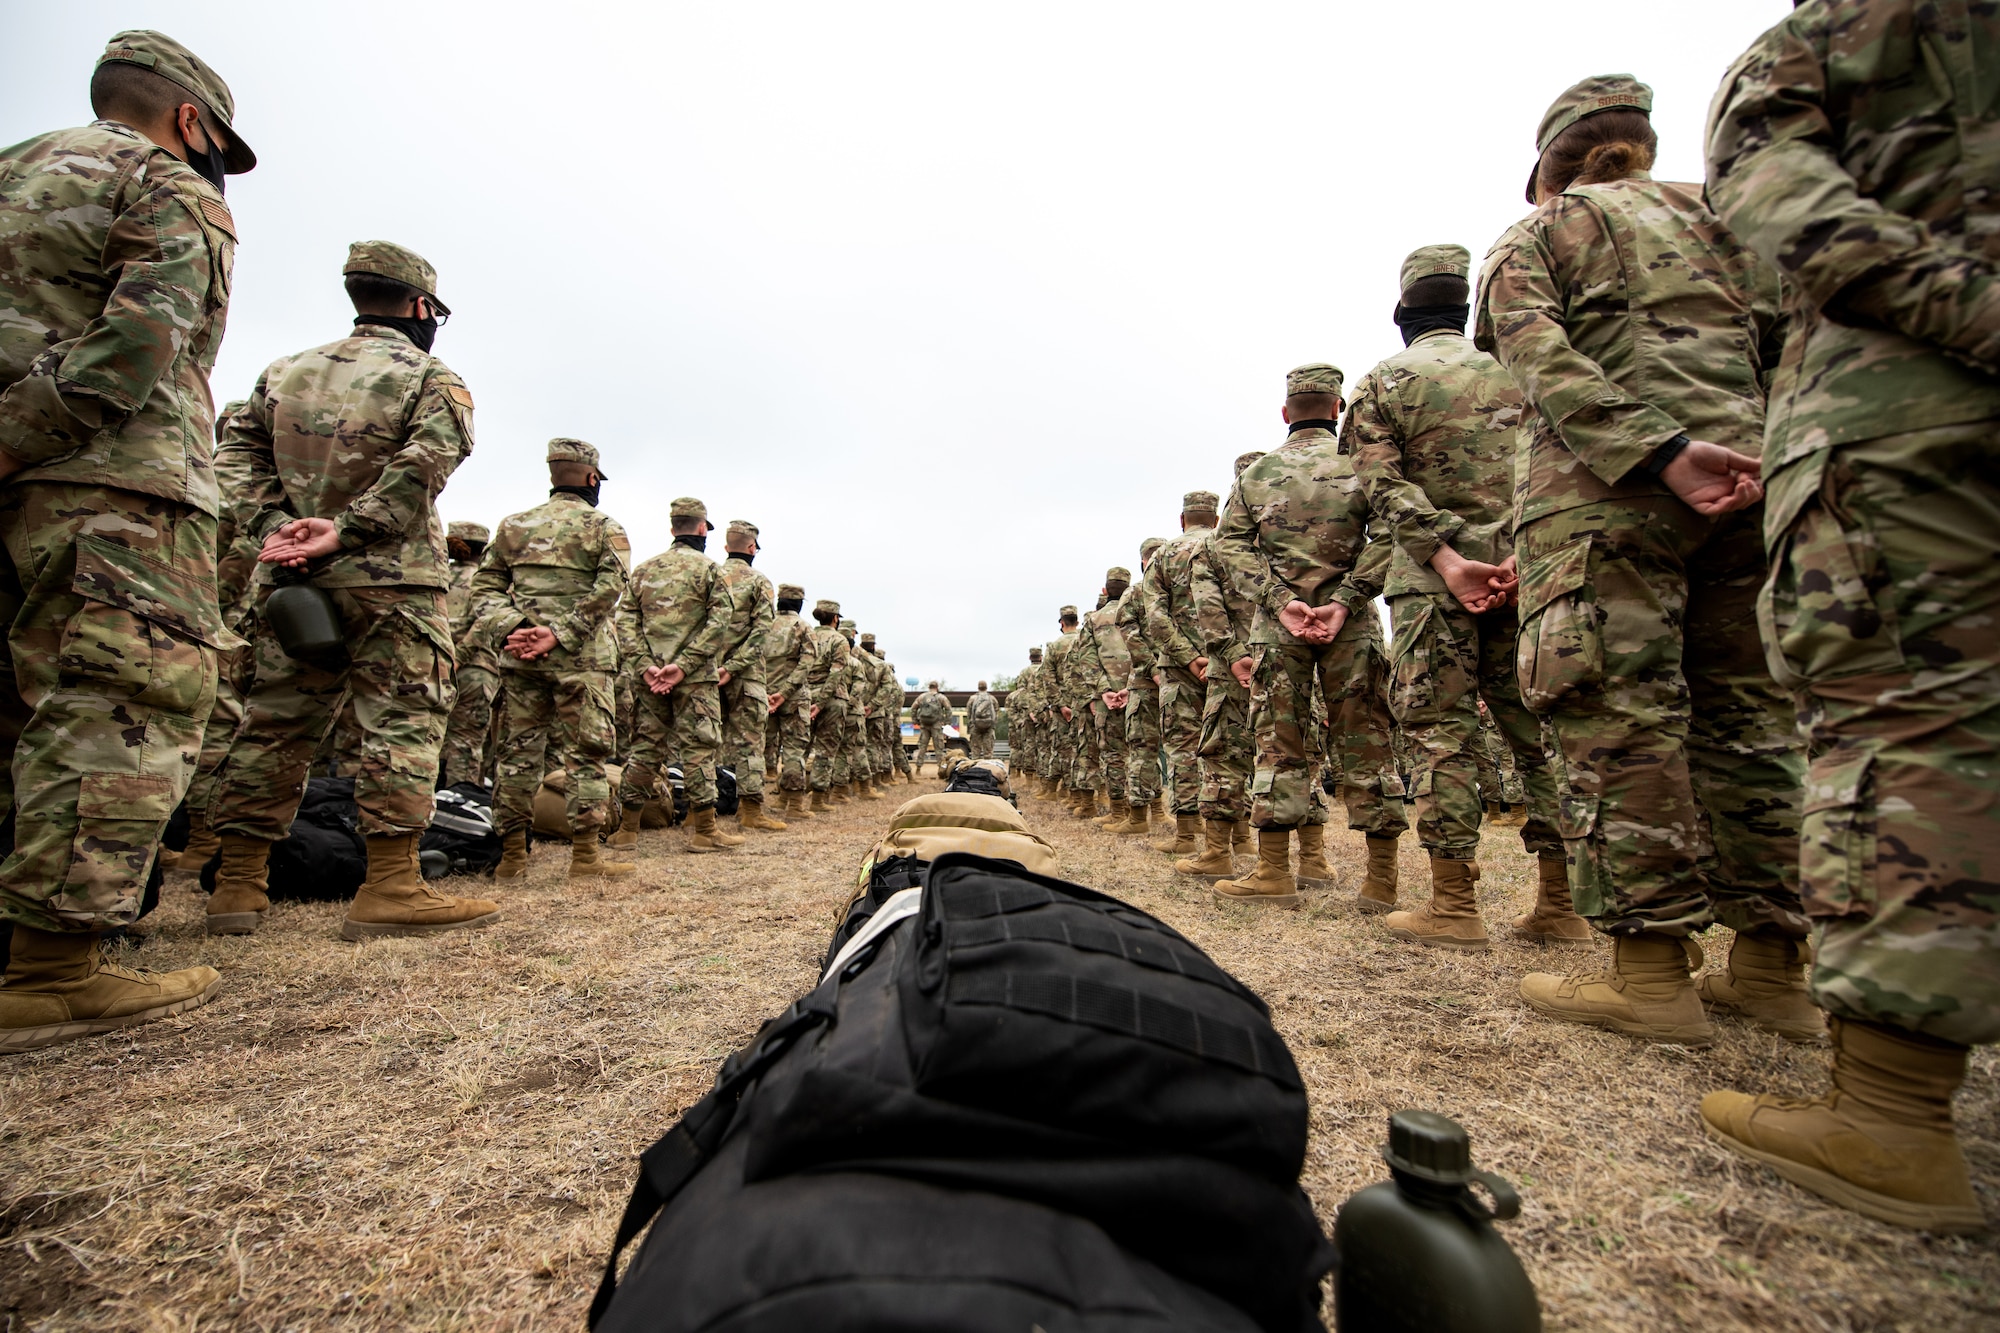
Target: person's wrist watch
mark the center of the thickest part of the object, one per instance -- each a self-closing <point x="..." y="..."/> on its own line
<point x="1666" y="454"/>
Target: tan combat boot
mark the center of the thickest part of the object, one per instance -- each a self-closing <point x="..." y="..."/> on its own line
<point x="1157" y="811"/>
<point x="238" y="905"/>
<point x="1187" y="837"/>
<point x="587" y="861"/>
<point x="1881" y="1142"/>
<point x="625" y="837"/>
<point x="821" y="803"/>
<point x="1082" y="804"/>
<point x="1136" y="821"/>
<point x="60" y="986"/>
<point x="704" y="835"/>
<point x="796" y="803"/>
<point x="514" y="855"/>
<point x="1214" y="862"/>
<point x="1765" y="982"/>
<point x="837" y="794"/>
<point x="202" y="844"/>
<point x="1240" y="837"/>
<point x="1450" y="920"/>
<point x="1271" y="883"/>
<point x="1649" y="991"/>
<point x="394" y="900"/>
<point x="1378" y="887"/>
<point x="1108" y="818"/>
<point x="750" y="815"/>
<point x="1314" y="872"/>
<point x="771" y="778"/>
<point x="1553" y="921"/>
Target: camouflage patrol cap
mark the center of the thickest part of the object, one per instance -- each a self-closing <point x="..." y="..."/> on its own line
<point x="868" y="640"/>
<point x="171" y="61"/>
<point x="791" y="592"/>
<point x="468" y="532"/>
<point x="1118" y="574"/>
<point x="1200" y="502"/>
<point x="562" y="449"/>
<point x="687" y="507"/>
<point x="827" y="605"/>
<point x="1318" y="377"/>
<point x="846" y="624"/>
<point x="1034" y="654"/>
<point x="1431" y="261"/>
<point x="386" y="259"/>
<point x="1066" y="613"/>
<point x="1150" y="545"/>
<point x="1245" y="460"/>
<point x="739" y="528"/>
<point x="1599" y="92"/>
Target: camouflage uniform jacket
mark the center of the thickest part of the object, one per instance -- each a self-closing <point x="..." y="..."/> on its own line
<point x="1628" y="314"/>
<point x="1100" y="661"/>
<point x="674" y="614"/>
<point x="786" y="649"/>
<point x="982" y="710"/>
<point x="1131" y="624"/>
<point x="1055" y="658"/>
<point x="888" y="694"/>
<point x="1295" y="527"/>
<point x="1223" y="612"/>
<point x="860" y="680"/>
<point x="1854" y="144"/>
<point x="826" y="663"/>
<point x="560" y="566"/>
<point x="458" y="598"/>
<point x="114" y="287"/>
<point x="1432" y="434"/>
<point x="930" y="707"/>
<point x="1168" y="587"/>
<point x="364" y="430"/>
<point x="751" y="595"/>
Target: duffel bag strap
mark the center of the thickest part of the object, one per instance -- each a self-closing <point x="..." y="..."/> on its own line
<point x="667" y="1166"/>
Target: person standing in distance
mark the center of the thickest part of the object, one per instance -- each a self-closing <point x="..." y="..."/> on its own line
<point x="982" y="717"/>
<point x="787" y="657"/>
<point x="115" y="255"/>
<point x="745" y="706"/>
<point x="476" y="682"/>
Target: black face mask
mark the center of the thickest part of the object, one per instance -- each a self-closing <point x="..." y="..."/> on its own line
<point x="208" y="165"/>
<point x="1427" y="318"/>
<point x="422" y="332"/>
<point x="587" y="494"/>
<point x="698" y="542"/>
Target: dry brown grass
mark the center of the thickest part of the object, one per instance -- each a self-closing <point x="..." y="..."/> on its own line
<point x="440" y="1133"/>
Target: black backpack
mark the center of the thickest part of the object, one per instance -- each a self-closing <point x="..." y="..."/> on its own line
<point x="725" y="793"/>
<point x="981" y="781"/>
<point x="1013" y="1101"/>
<point x="324" y="857"/>
<point x="462" y="838"/>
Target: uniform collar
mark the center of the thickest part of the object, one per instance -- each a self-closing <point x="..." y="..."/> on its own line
<point x="1429" y="334"/>
<point x="381" y="331"/>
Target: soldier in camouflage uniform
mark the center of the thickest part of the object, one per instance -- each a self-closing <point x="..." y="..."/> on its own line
<point x="789" y="727"/>
<point x="745" y="707"/>
<point x="1142" y="703"/>
<point x="1432" y="433"/>
<point x="335" y="463"/>
<point x="886" y="703"/>
<point x="1063" y="720"/>
<point x="982" y="718"/>
<point x="1294" y="540"/>
<point x="1024" y="727"/>
<point x="114" y="285"/>
<point x="1853" y="147"/>
<point x="542" y="605"/>
<point x="1103" y="667"/>
<point x="930" y="711"/>
<point x="1181" y="657"/>
<point x="890" y="720"/>
<point x="672" y="629"/>
<point x="861" y="686"/>
<point x="1637" y="525"/>
<point x="477" y="680"/>
<point x="826" y="680"/>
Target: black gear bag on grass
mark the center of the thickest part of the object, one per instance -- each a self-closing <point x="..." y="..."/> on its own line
<point x="1013" y="1101"/>
<point x="324" y="857"/>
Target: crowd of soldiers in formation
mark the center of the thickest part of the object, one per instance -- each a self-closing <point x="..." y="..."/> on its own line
<point x="1702" y="510"/>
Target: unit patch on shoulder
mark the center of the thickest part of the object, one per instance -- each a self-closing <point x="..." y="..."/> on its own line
<point x="459" y="394"/>
<point x="218" y="216"/>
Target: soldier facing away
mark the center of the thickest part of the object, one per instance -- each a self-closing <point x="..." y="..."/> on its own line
<point x="544" y="599"/>
<point x="787" y="658"/>
<point x="476" y="682"/>
<point x="930" y="711"/>
<point x="1141" y="710"/>
<point x="982" y="718"/>
<point x="335" y="463"/>
<point x="826" y="679"/>
<point x="115" y="254"/>
<point x="1852" y="147"/>
<point x="1181" y="659"/>
<point x="745" y="707"/>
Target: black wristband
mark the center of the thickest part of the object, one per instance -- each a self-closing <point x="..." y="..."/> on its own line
<point x="1666" y="454"/>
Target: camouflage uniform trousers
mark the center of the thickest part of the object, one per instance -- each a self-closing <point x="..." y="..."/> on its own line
<point x="1181" y="699"/>
<point x="829" y="734"/>
<point x="1142" y="745"/>
<point x="101" y="721"/>
<point x="981" y="741"/>
<point x="1228" y="747"/>
<point x="860" y="761"/>
<point x="237" y="669"/>
<point x="1881" y="614"/>
<point x="555" y="718"/>
<point x="399" y="679"/>
<point x="625" y="697"/>
<point x="1446" y="660"/>
<point x="745" y="711"/>
<point x="930" y="742"/>
<point x="1680" y="756"/>
<point x="1108" y="731"/>
<point x="1086" y="762"/>
<point x="682" y="726"/>
<point x="467" y="731"/>
<point x="881" y="744"/>
<point x="1284" y="788"/>
<point x="786" y="736"/>
<point x="892" y="727"/>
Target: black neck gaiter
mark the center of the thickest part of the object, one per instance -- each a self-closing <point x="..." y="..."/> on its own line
<point x="747" y="557"/>
<point x="422" y="332"/>
<point x="698" y="541"/>
<point x="1320" y="423"/>
<point x="1427" y="318"/>
<point x="587" y="494"/>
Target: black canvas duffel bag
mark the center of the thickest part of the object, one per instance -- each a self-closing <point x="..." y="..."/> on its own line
<point x="1087" y="1123"/>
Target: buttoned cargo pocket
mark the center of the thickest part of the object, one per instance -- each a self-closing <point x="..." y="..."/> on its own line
<point x="119" y="819"/>
<point x="1561" y="647"/>
<point x="1822" y="612"/>
<point x="1576" y="824"/>
<point x="1837" y="836"/>
<point x="134" y="637"/>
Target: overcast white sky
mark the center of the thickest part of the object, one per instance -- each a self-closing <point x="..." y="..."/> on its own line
<point x="954" y="302"/>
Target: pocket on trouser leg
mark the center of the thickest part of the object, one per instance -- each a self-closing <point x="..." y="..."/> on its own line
<point x="1413" y="672"/>
<point x="1821" y="612"/>
<point x="1576" y="824"/>
<point x="1837" y="837"/>
<point x="119" y="819"/>
<point x="1561" y="646"/>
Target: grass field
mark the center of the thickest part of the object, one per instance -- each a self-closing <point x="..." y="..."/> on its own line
<point x="440" y="1133"/>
